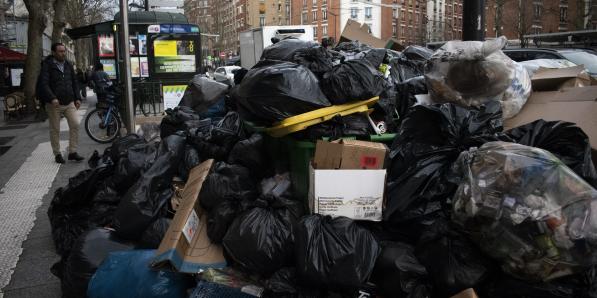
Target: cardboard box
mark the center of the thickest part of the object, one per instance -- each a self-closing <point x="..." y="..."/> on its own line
<point x="357" y="194"/>
<point x="553" y="79"/>
<point x="468" y="293"/>
<point x="186" y="246"/>
<point x="350" y="155"/>
<point x="576" y="105"/>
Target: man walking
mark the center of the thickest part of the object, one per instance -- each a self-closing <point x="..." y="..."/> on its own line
<point x="60" y="92"/>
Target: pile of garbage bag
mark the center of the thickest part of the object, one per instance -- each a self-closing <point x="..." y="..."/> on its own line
<point x="469" y="206"/>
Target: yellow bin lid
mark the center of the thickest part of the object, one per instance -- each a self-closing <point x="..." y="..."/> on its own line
<point x="302" y="121"/>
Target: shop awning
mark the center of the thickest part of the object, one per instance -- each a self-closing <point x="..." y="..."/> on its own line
<point x="8" y="55"/>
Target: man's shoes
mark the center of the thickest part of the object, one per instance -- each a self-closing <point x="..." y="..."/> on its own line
<point x="75" y="156"/>
<point x="59" y="158"/>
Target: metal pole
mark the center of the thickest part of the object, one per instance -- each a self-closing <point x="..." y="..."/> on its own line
<point x="126" y="70"/>
<point x="473" y="20"/>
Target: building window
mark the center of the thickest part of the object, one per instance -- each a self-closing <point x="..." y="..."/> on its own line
<point x="563" y="14"/>
<point x="314" y="16"/>
<point x="369" y="25"/>
<point x="324" y="2"/>
<point x="537" y="11"/>
<point x="304" y="3"/>
<point x="536" y="30"/>
<point x="394" y="30"/>
<point x="368" y="12"/>
<point x="261" y="21"/>
<point x="324" y="14"/>
<point x="354" y="13"/>
<point x="304" y="19"/>
<point x="314" y="3"/>
<point x="403" y="32"/>
<point x="324" y="31"/>
<point x="403" y="16"/>
<point x="279" y="7"/>
<point x="315" y="32"/>
<point x="394" y="13"/>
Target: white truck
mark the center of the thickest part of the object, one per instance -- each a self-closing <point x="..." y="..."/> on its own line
<point x="252" y="42"/>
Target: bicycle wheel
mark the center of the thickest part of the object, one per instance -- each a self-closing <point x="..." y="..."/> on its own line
<point x="98" y="130"/>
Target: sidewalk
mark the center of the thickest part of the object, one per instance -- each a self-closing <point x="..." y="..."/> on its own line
<point x="29" y="185"/>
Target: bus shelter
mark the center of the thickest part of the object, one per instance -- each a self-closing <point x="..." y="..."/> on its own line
<point x="165" y="54"/>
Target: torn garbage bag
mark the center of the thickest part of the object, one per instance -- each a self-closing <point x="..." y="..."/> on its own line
<point x="398" y="273"/>
<point x="453" y="262"/>
<point x="261" y="240"/>
<point x="274" y="90"/>
<point x="202" y="93"/>
<point x="352" y="80"/>
<point x="405" y="97"/>
<point x="88" y="253"/>
<point x="491" y="75"/>
<point x="334" y="253"/>
<point x="564" y="139"/>
<point x="144" y="200"/>
<point x="428" y="143"/>
<point x="284" y="49"/>
<point x="227" y="182"/>
<point x="127" y="274"/>
<point x="526" y="209"/>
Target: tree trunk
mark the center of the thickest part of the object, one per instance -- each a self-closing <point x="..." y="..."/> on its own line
<point x="35" y="30"/>
<point x="59" y="20"/>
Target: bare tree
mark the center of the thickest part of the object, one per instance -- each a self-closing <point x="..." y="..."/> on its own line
<point x="59" y="21"/>
<point x="38" y="19"/>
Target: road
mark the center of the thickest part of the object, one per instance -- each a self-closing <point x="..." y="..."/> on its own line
<point x="29" y="177"/>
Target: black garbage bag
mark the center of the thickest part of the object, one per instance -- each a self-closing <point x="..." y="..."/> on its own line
<point x="191" y="160"/>
<point x="406" y="91"/>
<point x="220" y="139"/>
<point x="88" y="253"/>
<point x="261" y="239"/>
<point x="376" y="57"/>
<point x="564" y="139"/>
<point x="398" y="272"/>
<point x="275" y="90"/>
<point x="355" y="125"/>
<point x="317" y="59"/>
<point x="175" y="120"/>
<point x="284" y="283"/>
<point x="583" y="285"/>
<point x="221" y="217"/>
<point x="152" y="236"/>
<point x="138" y="158"/>
<point x="227" y="182"/>
<point x="144" y="200"/>
<point x="70" y="211"/>
<point x="284" y="49"/>
<point x="429" y="141"/>
<point x="239" y="75"/>
<point x="104" y="205"/>
<point x="202" y="93"/>
<point x="96" y="159"/>
<point x="336" y="253"/>
<point x="452" y="261"/>
<point x="249" y="153"/>
<point x="385" y="109"/>
<point x="121" y="146"/>
<point x="352" y="80"/>
<point x="417" y="53"/>
<point x="351" y="46"/>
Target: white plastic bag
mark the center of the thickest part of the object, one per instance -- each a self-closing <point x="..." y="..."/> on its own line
<point x="472" y="73"/>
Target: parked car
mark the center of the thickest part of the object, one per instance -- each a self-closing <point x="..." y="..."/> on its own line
<point x="586" y="57"/>
<point x="225" y="74"/>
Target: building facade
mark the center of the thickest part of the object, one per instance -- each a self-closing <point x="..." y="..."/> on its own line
<point x="517" y="18"/>
<point x="444" y="20"/>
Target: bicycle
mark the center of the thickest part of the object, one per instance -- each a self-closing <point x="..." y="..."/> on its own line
<point x="103" y="123"/>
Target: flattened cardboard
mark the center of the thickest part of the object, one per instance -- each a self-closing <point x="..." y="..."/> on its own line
<point x="468" y="293"/>
<point x="175" y="251"/>
<point x="552" y="79"/>
<point x="576" y="105"/>
<point x="356" y="194"/>
<point x="350" y="155"/>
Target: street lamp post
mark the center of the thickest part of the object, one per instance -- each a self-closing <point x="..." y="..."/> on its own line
<point x="126" y="56"/>
<point x="473" y="20"/>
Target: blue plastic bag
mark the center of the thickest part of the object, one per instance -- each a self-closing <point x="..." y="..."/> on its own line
<point x="127" y="274"/>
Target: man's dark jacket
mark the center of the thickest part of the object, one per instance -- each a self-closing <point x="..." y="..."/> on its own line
<point x="54" y="83"/>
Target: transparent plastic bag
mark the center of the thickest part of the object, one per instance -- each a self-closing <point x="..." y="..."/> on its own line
<point x="472" y="73"/>
<point x="526" y="209"/>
